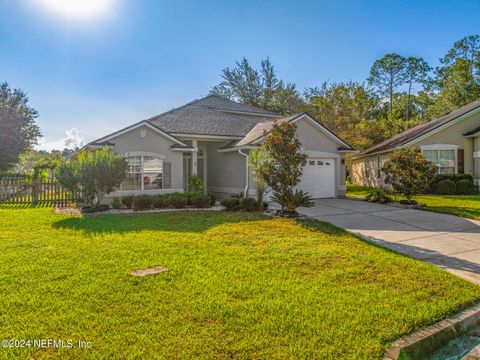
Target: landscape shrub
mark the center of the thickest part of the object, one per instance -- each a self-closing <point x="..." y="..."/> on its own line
<point x="408" y="172"/>
<point x="248" y="204"/>
<point x="465" y="187"/>
<point x="178" y="200"/>
<point x="446" y="187"/>
<point x="188" y="196"/>
<point x="142" y="202"/>
<point x="231" y="203"/>
<point x="160" y="201"/>
<point x="291" y="200"/>
<point x="116" y="203"/>
<point x="200" y="201"/>
<point x="95" y="173"/>
<point x="213" y="198"/>
<point x="127" y="201"/>
<point x="453" y="177"/>
<point x="195" y="184"/>
<point x="380" y="196"/>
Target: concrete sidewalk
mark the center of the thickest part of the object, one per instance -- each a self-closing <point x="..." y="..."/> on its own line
<point x="448" y="241"/>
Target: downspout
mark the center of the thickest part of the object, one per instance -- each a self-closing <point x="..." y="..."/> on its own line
<point x="245" y="191"/>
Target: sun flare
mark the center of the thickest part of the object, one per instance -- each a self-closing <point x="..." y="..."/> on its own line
<point x="78" y="9"/>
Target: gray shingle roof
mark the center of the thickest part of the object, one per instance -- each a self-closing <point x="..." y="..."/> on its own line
<point x="258" y="130"/>
<point x="219" y="103"/>
<point x="200" y="120"/>
<point x="419" y="130"/>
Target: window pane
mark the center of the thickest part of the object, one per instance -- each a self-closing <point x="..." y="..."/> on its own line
<point x="431" y="155"/>
<point x="446" y="170"/>
<point x="134" y="164"/>
<point x="152" y="173"/>
<point x="446" y="158"/>
<point x="132" y="182"/>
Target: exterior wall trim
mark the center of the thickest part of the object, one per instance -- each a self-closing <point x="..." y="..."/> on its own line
<point x="137" y="125"/>
<point x="442" y="127"/>
<point x="144" y="192"/>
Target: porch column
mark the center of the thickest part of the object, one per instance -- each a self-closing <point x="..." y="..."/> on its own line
<point x="194" y="157"/>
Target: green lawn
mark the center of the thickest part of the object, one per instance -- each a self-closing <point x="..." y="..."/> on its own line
<point x="461" y="205"/>
<point x="239" y="286"/>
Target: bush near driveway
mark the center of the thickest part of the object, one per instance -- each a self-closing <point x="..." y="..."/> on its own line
<point x="461" y="205"/>
<point x="446" y="187"/>
<point x="240" y="285"/>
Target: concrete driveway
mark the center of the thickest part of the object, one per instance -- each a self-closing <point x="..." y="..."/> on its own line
<point x="450" y="242"/>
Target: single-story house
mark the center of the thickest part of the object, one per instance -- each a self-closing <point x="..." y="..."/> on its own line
<point x="212" y="137"/>
<point x="451" y="141"/>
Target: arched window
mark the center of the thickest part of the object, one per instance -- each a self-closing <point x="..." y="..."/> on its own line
<point x="144" y="173"/>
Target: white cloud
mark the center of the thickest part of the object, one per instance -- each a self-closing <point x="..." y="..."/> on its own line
<point x="71" y="141"/>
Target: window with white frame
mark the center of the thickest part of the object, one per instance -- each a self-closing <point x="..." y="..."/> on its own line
<point x="444" y="156"/>
<point x="143" y="173"/>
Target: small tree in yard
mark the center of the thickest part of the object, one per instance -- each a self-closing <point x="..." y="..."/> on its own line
<point x="408" y="172"/>
<point x="283" y="167"/>
<point x="256" y="161"/>
<point x="94" y="173"/>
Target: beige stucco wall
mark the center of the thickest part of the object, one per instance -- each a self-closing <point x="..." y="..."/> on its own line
<point x="225" y="170"/>
<point x="452" y="135"/>
<point x="316" y="143"/>
<point x="153" y="142"/>
<point x="357" y="171"/>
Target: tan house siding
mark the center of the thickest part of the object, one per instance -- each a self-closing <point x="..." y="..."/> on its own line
<point x="226" y="170"/>
<point x="153" y="142"/>
<point x="316" y="143"/>
<point x="452" y="135"/>
<point x="374" y="166"/>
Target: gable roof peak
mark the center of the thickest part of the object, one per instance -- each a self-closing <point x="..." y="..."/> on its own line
<point x="410" y="135"/>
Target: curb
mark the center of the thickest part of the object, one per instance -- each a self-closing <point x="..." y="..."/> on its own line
<point x="423" y="343"/>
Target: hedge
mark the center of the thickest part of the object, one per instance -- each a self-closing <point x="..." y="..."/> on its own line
<point x="455" y="178"/>
<point x="234" y="204"/>
<point x="465" y="187"/>
<point x="174" y="200"/>
<point x="446" y="187"/>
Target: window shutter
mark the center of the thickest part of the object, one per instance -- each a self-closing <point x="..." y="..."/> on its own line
<point x="167" y="175"/>
<point x="460" y="161"/>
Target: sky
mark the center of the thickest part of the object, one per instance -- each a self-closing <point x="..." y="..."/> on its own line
<point x="91" y="71"/>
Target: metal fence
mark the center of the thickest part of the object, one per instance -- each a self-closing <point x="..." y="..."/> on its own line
<point x="35" y="192"/>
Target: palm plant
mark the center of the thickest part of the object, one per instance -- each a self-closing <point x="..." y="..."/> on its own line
<point x="291" y="200"/>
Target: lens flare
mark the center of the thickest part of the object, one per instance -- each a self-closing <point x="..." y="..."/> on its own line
<point x="78" y="9"/>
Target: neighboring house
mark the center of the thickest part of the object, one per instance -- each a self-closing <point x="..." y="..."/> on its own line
<point x="212" y="137"/>
<point x="451" y="141"/>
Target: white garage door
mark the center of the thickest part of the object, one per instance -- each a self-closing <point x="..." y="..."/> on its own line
<point x="318" y="178"/>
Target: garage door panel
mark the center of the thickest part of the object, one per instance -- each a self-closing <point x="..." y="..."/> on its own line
<point x="318" y="178"/>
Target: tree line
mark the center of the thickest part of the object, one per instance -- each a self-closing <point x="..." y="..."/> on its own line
<point x="400" y="92"/>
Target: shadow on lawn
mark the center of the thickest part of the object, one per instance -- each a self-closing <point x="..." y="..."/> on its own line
<point x="26" y="206"/>
<point x="175" y="221"/>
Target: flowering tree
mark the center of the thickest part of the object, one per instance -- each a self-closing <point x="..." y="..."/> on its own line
<point x="408" y="172"/>
<point x="95" y="173"/>
<point x="282" y="169"/>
